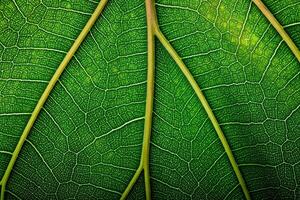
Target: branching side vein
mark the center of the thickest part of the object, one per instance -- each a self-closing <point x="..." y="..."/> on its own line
<point x="154" y="31"/>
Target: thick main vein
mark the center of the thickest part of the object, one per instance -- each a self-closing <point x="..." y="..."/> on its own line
<point x="206" y="106"/>
<point x="144" y="161"/>
<point x="47" y="91"/>
<point x="153" y="30"/>
<point x="285" y="36"/>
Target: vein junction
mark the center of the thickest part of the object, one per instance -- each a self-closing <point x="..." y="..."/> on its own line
<point x="47" y="91"/>
<point x="153" y="31"/>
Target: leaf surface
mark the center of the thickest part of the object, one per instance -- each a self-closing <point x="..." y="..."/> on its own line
<point x="86" y="142"/>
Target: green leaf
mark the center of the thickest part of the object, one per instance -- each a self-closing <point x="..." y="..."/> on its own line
<point x="84" y="131"/>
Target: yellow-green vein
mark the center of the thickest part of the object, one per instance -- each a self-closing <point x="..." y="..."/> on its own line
<point x="144" y="162"/>
<point x="267" y="13"/>
<point x="206" y="106"/>
<point x="47" y="91"/>
<point x="153" y="30"/>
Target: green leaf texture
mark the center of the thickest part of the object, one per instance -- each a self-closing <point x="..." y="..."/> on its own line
<point x="86" y="142"/>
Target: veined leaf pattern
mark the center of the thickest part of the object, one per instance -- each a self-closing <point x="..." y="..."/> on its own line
<point x="138" y="71"/>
